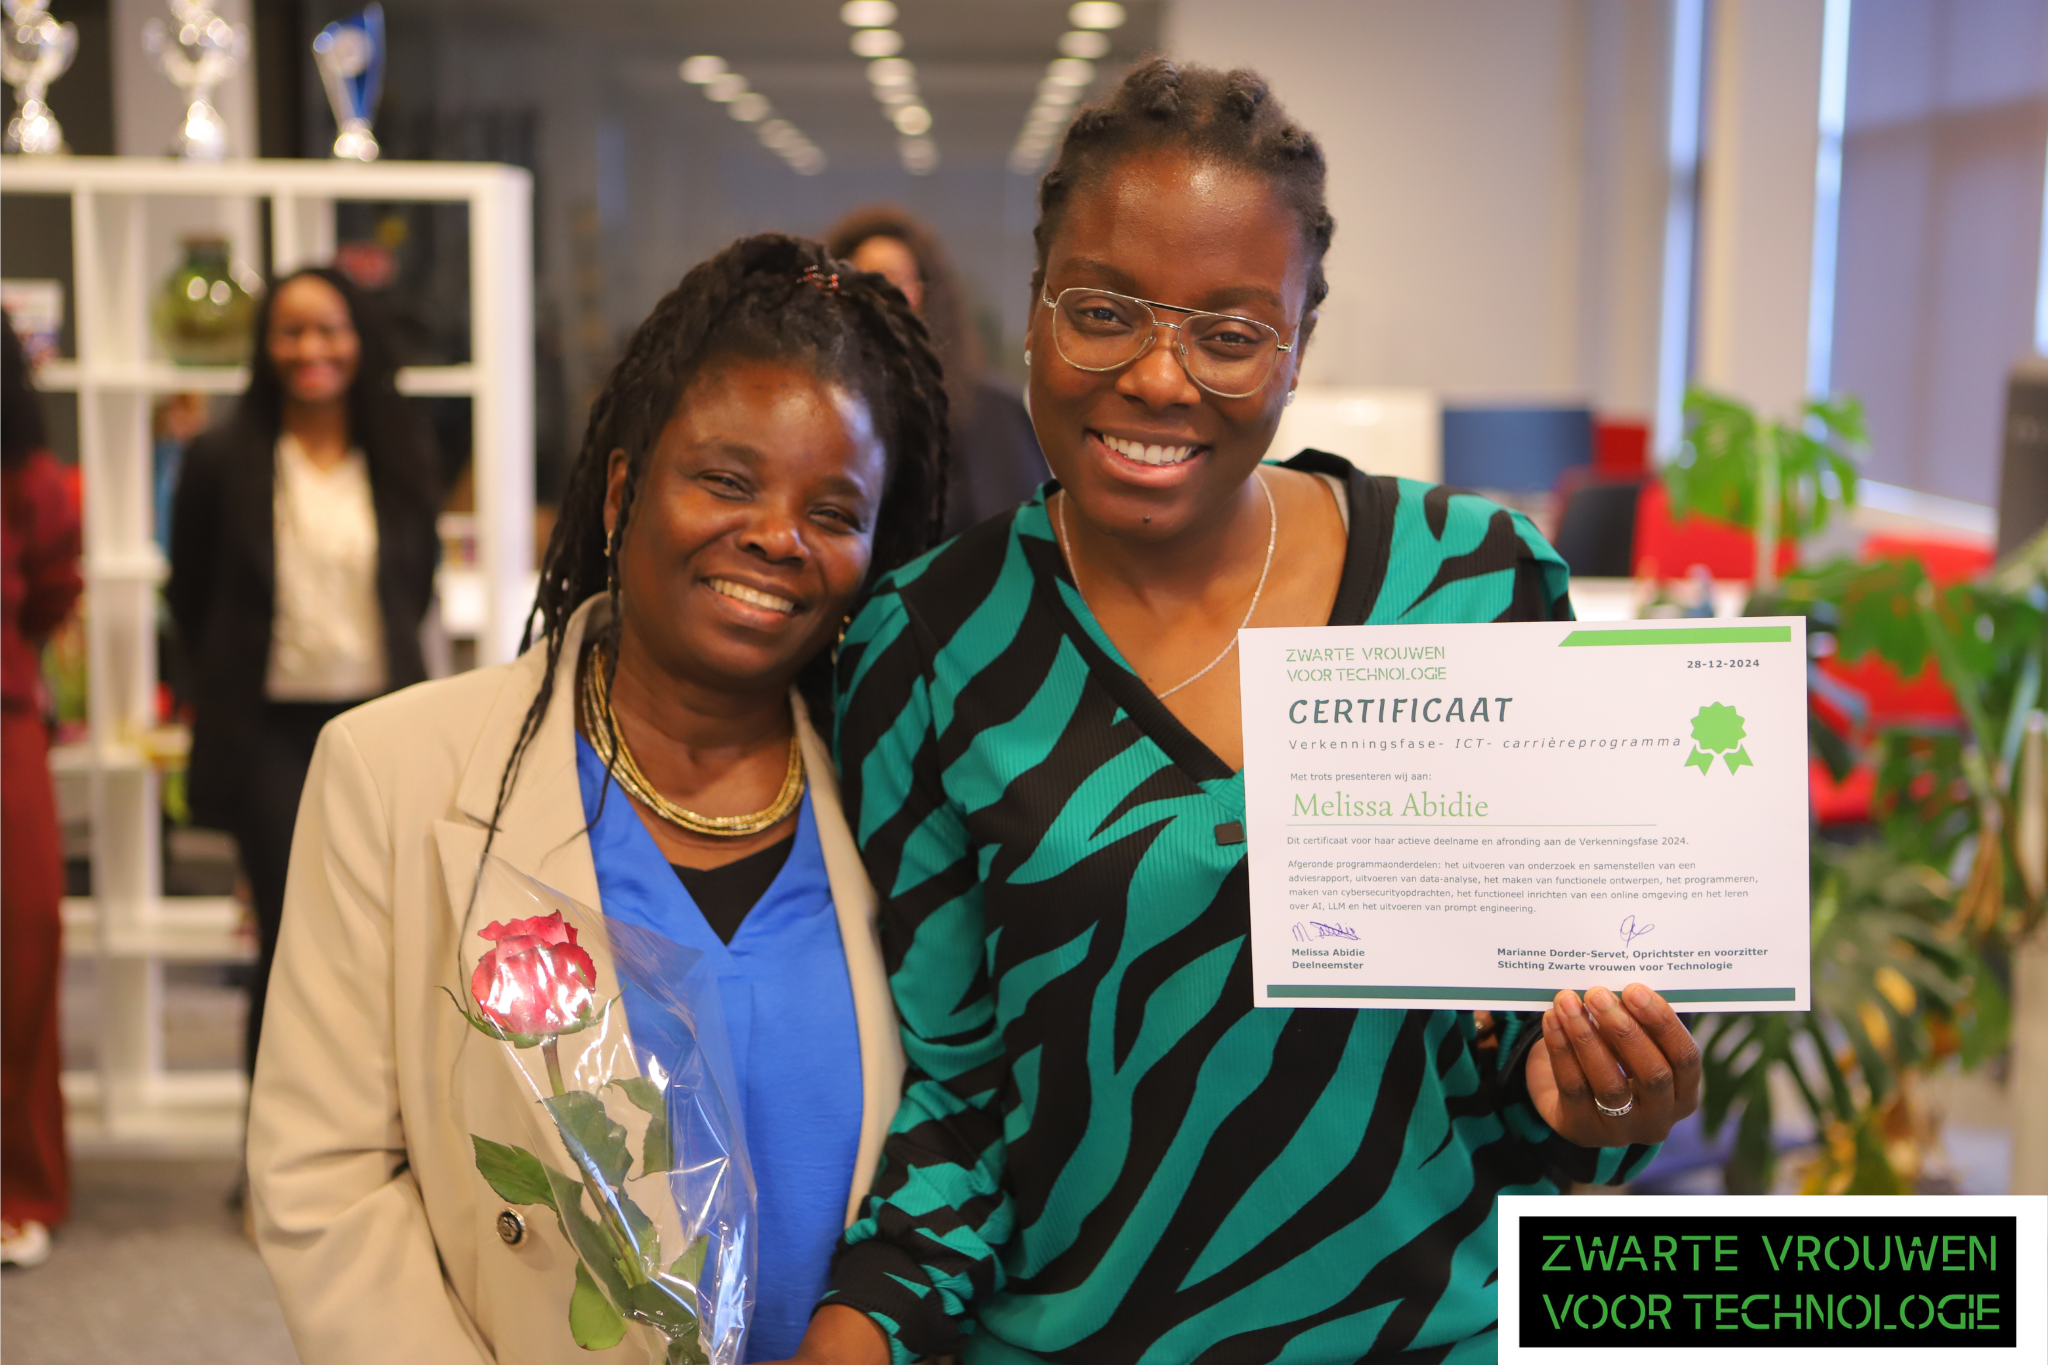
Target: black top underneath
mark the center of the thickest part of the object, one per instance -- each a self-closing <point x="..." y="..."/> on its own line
<point x="726" y="894"/>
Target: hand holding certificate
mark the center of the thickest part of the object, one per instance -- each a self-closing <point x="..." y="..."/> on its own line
<point x="1506" y="815"/>
<point x="1626" y="1080"/>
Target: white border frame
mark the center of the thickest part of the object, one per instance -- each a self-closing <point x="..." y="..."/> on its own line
<point x="2032" y="1269"/>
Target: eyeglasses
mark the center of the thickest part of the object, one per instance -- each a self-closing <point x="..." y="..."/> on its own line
<point x="1097" y="330"/>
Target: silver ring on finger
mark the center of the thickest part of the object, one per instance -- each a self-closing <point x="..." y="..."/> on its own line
<point x="1620" y="1113"/>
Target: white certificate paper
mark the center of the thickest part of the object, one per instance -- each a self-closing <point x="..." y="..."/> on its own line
<point x="1479" y="816"/>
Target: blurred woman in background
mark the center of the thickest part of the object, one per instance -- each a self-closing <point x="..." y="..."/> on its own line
<point x="39" y="561"/>
<point x="302" y="562"/>
<point x="996" y="463"/>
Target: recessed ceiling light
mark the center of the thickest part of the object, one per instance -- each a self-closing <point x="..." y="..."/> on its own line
<point x="877" y="42"/>
<point x="1051" y="91"/>
<point x="1069" y="71"/>
<point x="897" y="94"/>
<point x="778" y="132"/>
<point x="891" y="71"/>
<point x="868" y="13"/>
<point x="749" y="108"/>
<point x="920" y="155"/>
<point x="703" y="70"/>
<point x="808" y="162"/>
<point x="726" y="88"/>
<point x="1084" y="42"/>
<point x="1090" y="14"/>
<point x="913" y="120"/>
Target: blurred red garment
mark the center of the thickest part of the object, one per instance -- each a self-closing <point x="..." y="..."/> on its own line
<point x="39" y="585"/>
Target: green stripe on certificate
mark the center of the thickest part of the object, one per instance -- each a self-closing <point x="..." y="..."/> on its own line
<point x="1681" y="635"/>
<point x="1758" y="994"/>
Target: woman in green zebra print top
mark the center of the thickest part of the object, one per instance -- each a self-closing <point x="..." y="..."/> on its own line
<point x="1105" y="1153"/>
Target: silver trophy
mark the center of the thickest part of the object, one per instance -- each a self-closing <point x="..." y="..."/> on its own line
<point x="198" y="55"/>
<point x="37" y="51"/>
<point x="350" y="55"/>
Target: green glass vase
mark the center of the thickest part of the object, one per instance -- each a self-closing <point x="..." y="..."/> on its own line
<point x="201" y="314"/>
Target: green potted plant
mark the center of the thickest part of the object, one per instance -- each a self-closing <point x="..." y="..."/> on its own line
<point x="1912" y="930"/>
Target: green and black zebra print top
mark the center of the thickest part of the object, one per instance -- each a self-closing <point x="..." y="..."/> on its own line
<point x="1105" y="1153"/>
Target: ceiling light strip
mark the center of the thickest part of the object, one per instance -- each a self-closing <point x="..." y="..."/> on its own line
<point x="722" y="85"/>
<point x="1067" y="78"/>
<point x="893" y="79"/>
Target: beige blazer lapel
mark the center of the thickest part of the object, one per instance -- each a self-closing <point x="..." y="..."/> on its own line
<point x="541" y="830"/>
<point x="853" y="897"/>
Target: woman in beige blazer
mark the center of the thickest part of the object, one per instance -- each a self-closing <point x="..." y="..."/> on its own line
<point x="771" y="441"/>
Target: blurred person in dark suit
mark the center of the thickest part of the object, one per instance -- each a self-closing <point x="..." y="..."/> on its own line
<point x="39" y="549"/>
<point x="303" y="548"/>
<point x="996" y="460"/>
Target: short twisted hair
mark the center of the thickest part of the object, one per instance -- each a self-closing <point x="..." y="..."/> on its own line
<point x="1227" y="116"/>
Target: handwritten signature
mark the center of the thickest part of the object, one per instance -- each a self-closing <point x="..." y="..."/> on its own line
<point x="1631" y="931"/>
<point x="1305" y="932"/>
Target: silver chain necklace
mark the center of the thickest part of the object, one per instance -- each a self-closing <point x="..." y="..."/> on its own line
<point x="1272" y="539"/>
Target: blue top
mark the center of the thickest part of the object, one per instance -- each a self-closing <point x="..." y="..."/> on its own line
<point x="788" y="1008"/>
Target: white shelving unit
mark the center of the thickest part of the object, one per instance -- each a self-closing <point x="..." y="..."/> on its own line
<point x="123" y="212"/>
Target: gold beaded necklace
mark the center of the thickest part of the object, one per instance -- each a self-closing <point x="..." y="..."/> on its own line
<point x="596" y="710"/>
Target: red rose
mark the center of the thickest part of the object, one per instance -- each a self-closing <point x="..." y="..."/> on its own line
<point x="536" y="981"/>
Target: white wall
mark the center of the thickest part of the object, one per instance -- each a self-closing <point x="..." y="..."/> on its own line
<point x="1496" y="170"/>
<point x="1756" y="202"/>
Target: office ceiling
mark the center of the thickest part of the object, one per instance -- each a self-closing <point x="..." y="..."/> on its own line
<point x="978" y="62"/>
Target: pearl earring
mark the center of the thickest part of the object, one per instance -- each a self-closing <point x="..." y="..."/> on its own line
<point x="1027" y="357"/>
<point x="1290" y="399"/>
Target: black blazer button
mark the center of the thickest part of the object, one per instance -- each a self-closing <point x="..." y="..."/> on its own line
<point x="511" y="1228"/>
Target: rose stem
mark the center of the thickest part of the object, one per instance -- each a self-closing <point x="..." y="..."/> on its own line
<point x="622" y="1241"/>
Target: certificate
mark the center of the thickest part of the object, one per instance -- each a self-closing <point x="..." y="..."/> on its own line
<point x="1480" y="816"/>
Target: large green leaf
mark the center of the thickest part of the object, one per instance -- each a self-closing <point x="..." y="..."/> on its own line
<point x="1985" y="1021"/>
<point x="595" y="1140"/>
<point x="594" y="1245"/>
<point x="689" y="1266"/>
<point x="1881" y="971"/>
<point x="593" y="1321"/>
<point x="1719" y="469"/>
<point x="516" y="1174"/>
<point x="656" y="1153"/>
<point x="669" y="1306"/>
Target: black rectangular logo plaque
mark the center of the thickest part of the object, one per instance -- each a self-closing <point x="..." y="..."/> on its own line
<point x="1910" y="1281"/>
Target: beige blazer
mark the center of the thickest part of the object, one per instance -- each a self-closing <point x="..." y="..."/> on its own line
<point x="378" y="1231"/>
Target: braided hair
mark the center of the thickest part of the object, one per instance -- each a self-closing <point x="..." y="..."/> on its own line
<point x="771" y="298"/>
<point x="1229" y="117"/>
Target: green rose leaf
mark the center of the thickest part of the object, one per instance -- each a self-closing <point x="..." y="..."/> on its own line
<point x="593" y="1244"/>
<point x="686" y="1351"/>
<point x="669" y="1307"/>
<point x="689" y="1266"/>
<point x="593" y="1322"/>
<point x="593" y="1137"/>
<point x="656" y="1153"/>
<point x="515" y="1173"/>
<point x="640" y="1227"/>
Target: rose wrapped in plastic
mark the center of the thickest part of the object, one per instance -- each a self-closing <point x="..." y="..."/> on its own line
<point x="535" y="981"/>
<point x="657" y="1154"/>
